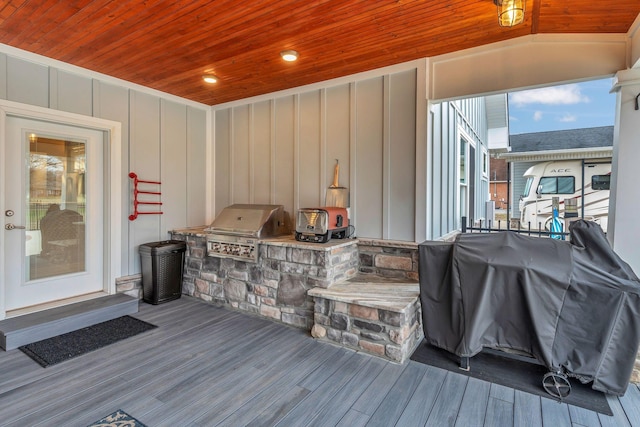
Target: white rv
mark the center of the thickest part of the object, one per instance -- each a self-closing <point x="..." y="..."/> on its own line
<point x="565" y="179"/>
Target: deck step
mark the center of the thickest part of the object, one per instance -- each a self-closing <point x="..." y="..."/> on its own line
<point x="33" y="327"/>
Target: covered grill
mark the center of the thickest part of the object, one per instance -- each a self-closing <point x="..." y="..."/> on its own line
<point x="574" y="307"/>
<point x="236" y="231"/>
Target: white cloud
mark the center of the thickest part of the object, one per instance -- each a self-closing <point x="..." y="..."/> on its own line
<point x="567" y="118"/>
<point x="537" y="116"/>
<point x="558" y="95"/>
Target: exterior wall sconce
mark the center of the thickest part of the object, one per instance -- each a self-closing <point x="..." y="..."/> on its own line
<point x="510" y="12"/>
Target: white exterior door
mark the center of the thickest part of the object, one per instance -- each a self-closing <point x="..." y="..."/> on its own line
<point x="54" y="212"/>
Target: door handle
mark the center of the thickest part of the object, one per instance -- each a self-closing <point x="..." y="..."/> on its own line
<point x="13" y="227"/>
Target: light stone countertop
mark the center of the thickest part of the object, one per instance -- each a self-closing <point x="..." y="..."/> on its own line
<point x="284" y="241"/>
<point x="387" y="296"/>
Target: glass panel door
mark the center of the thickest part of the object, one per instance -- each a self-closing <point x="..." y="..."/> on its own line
<point x="55" y="208"/>
<point x="54" y="219"/>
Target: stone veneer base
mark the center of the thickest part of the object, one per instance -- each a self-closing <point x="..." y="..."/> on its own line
<point x="381" y="319"/>
<point x="274" y="287"/>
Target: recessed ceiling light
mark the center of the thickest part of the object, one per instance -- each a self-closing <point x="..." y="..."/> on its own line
<point x="289" y="55"/>
<point x="209" y="78"/>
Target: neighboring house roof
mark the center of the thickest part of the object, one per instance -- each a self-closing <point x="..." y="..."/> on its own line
<point x="585" y="143"/>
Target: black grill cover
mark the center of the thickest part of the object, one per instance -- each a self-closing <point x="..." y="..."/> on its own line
<point x="572" y="306"/>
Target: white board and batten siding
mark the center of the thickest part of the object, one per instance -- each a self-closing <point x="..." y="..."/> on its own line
<point x="283" y="150"/>
<point x="162" y="139"/>
<point x="448" y="121"/>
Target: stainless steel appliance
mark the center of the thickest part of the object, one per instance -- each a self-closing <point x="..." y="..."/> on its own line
<point x="237" y="230"/>
<point x="321" y="224"/>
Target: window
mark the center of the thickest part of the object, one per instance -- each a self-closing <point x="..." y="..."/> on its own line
<point x="485" y="163"/>
<point x="601" y="182"/>
<point x="557" y="185"/>
<point x="463" y="161"/>
<point x="527" y="186"/>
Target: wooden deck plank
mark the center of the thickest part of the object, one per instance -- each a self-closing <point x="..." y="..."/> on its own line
<point x="247" y="387"/>
<point x="630" y="403"/>
<point x="619" y="418"/>
<point x="76" y="373"/>
<point x="284" y="402"/>
<point x="98" y="391"/>
<point x="234" y="379"/>
<point x="527" y="410"/>
<point x="419" y="406"/>
<point x="555" y="413"/>
<point x="223" y="367"/>
<point x="270" y="404"/>
<point x="584" y="417"/>
<point x="474" y="402"/>
<point x="354" y="418"/>
<point x="369" y="401"/>
<point x="499" y="413"/>
<point x="447" y="405"/>
<point x="501" y="392"/>
<point x="342" y="401"/>
<point x="313" y="404"/>
<point x="391" y="408"/>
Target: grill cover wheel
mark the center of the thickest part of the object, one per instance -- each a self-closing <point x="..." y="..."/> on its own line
<point x="556" y="384"/>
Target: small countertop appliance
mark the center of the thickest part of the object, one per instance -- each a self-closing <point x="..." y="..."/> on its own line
<point x="321" y="224"/>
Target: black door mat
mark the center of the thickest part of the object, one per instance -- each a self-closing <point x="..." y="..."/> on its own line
<point x="67" y="346"/>
<point x="511" y="371"/>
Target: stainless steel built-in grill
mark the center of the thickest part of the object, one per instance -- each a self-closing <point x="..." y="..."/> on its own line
<point x="236" y="231"/>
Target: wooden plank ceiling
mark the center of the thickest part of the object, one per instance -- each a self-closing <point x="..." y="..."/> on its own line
<point x="168" y="45"/>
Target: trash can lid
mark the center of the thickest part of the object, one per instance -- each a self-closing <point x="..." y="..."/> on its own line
<point x="164" y="246"/>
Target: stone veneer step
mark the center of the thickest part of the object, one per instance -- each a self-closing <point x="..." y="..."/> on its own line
<point x="382" y="319"/>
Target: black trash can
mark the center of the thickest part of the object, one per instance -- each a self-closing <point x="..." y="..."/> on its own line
<point x="162" y="267"/>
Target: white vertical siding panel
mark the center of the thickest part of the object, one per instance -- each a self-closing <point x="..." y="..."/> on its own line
<point x="450" y="143"/>
<point x="294" y="141"/>
<point x="402" y="169"/>
<point x="369" y="157"/>
<point x="112" y="103"/>
<point x="262" y="152"/>
<point x="386" y="156"/>
<point x="196" y="166"/>
<point x="241" y="160"/>
<point x="284" y="153"/>
<point x="173" y="166"/>
<point x="222" y="194"/>
<point x="27" y="82"/>
<point x="70" y="92"/>
<point x="3" y="76"/>
<point x="310" y="155"/>
<point x="145" y="162"/>
<point x="337" y="134"/>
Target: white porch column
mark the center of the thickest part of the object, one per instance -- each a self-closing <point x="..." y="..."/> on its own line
<point x="624" y="212"/>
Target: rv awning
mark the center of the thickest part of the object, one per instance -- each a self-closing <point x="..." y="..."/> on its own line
<point x="571" y="154"/>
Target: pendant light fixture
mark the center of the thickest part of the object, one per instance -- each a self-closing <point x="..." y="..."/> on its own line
<point x="510" y="12"/>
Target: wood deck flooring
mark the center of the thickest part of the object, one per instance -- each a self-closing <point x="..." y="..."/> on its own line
<point x="210" y="366"/>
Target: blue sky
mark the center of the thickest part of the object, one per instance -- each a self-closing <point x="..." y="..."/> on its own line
<point x="571" y="106"/>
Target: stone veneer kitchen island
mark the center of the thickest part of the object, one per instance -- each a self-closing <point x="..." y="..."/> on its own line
<point x="276" y="285"/>
<point x="317" y="287"/>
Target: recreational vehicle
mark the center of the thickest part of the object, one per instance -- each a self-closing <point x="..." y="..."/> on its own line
<point x="587" y="183"/>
